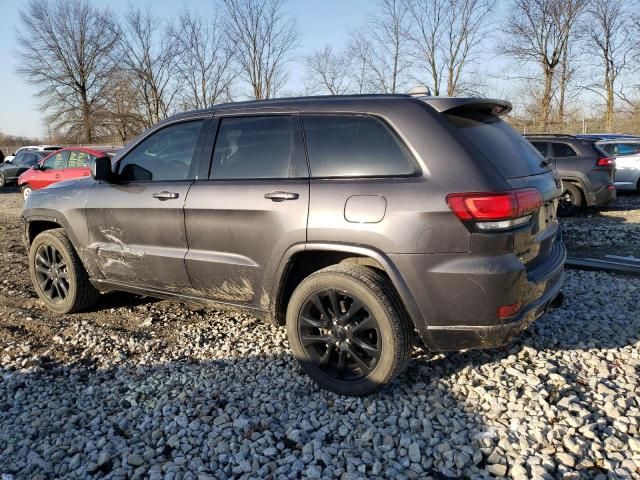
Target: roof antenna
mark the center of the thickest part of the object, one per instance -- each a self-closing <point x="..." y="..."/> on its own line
<point x="420" y="91"/>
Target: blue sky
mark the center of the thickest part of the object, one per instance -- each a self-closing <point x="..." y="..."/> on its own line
<point x="321" y="22"/>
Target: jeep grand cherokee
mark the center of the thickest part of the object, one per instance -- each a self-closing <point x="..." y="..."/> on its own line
<point x="359" y="222"/>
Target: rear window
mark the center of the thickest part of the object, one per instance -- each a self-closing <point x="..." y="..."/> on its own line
<point x="509" y="152"/>
<point x="354" y="146"/>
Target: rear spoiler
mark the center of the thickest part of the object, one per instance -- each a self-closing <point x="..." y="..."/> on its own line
<point x="485" y="105"/>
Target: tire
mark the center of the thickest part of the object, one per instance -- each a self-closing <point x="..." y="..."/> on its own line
<point x="26" y="191"/>
<point x="63" y="289"/>
<point x="378" y="323"/>
<point x="570" y="201"/>
<point x="3" y="182"/>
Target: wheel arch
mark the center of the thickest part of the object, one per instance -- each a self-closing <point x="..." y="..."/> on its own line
<point x="304" y="259"/>
<point x="36" y="224"/>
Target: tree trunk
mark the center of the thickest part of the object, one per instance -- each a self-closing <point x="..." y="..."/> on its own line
<point x="610" y="106"/>
<point x="546" y="96"/>
<point x="86" y="118"/>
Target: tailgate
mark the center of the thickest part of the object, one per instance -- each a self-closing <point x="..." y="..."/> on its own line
<point x="535" y="243"/>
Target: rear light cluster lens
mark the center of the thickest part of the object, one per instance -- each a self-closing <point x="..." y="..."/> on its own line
<point x="506" y="311"/>
<point x="496" y="211"/>
<point x="606" y="162"/>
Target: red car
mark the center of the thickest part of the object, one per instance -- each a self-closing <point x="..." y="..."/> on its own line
<point x="64" y="164"/>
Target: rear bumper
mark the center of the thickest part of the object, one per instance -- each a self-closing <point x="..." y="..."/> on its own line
<point x="601" y="197"/>
<point x="459" y="296"/>
<point x="462" y="337"/>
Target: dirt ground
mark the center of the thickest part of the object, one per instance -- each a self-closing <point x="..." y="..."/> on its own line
<point x="25" y="321"/>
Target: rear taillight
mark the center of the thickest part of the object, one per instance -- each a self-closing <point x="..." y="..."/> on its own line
<point x="606" y="162"/>
<point x="496" y="211"/>
<point x="506" y="311"/>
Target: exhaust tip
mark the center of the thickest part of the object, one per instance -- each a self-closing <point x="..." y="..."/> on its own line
<point x="558" y="301"/>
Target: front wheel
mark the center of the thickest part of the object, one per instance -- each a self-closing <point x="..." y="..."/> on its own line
<point x="58" y="276"/>
<point x="348" y="329"/>
<point x="26" y="191"/>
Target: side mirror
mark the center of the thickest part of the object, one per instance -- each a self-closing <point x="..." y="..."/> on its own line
<point x="101" y="169"/>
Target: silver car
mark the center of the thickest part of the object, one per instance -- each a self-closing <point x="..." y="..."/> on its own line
<point x="627" y="153"/>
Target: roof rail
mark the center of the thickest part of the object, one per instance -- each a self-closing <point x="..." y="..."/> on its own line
<point x="549" y="135"/>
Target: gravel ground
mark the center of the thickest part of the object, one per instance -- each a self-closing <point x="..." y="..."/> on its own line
<point x="139" y="388"/>
<point x="612" y="229"/>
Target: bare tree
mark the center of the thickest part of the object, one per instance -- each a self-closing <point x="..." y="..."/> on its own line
<point x="329" y="71"/>
<point x="149" y="54"/>
<point x="610" y="34"/>
<point x="124" y="112"/>
<point x="566" y="75"/>
<point x="65" y="49"/>
<point x="445" y="37"/>
<point x="381" y="45"/>
<point x="205" y="60"/>
<point x="264" y="37"/>
<point x="539" y="31"/>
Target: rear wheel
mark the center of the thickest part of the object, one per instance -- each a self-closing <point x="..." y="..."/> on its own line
<point x="348" y="329"/>
<point x="3" y="182"/>
<point x="570" y="200"/>
<point x="58" y="276"/>
<point x="26" y="191"/>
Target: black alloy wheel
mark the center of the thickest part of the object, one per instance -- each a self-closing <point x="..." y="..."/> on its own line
<point x="51" y="273"/>
<point x="339" y="334"/>
<point x="348" y="329"/>
<point x="57" y="274"/>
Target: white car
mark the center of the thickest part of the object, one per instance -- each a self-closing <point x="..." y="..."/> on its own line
<point x="627" y="153"/>
<point x="37" y="148"/>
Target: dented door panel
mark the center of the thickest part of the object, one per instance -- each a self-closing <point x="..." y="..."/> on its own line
<point x="136" y="238"/>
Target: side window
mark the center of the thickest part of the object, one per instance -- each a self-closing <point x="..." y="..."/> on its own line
<point x="542" y="147"/>
<point x="165" y="155"/>
<point x="255" y="147"/>
<point x="31" y="159"/>
<point x="563" y="150"/>
<point x="78" y="159"/>
<point x="354" y="145"/>
<point x="20" y="158"/>
<point x="628" y="149"/>
<point x="57" y="161"/>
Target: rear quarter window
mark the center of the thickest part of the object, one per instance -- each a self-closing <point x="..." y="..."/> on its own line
<point x="354" y="146"/>
<point x="542" y="147"/>
<point x="508" y="151"/>
<point x="563" y="150"/>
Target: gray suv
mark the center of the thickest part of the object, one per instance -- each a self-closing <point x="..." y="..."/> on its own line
<point x="586" y="170"/>
<point x="362" y="223"/>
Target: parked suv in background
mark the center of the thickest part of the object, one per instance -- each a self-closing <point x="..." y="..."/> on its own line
<point x="627" y="155"/>
<point x="23" y="161"/>
<point x="585" y="169"/>
<point x="35" y="148"/>
<point x="345" y="218"/>
<point x="65" y="164"/>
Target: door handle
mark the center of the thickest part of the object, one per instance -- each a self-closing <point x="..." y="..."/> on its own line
<point x="164" y="195"/>
<point x="58" y="175"/>
<point x="281" y="196"/>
